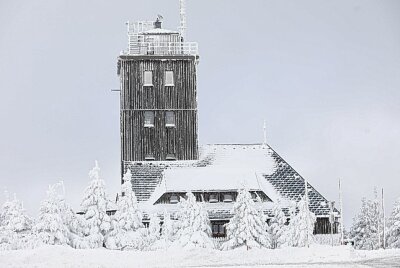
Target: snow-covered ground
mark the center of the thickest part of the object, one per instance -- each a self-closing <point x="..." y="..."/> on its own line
<point x="315" y="256"/>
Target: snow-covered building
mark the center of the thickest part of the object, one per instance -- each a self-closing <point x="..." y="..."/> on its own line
<point x="159" y="141"/>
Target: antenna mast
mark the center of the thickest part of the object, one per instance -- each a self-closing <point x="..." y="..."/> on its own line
<point x="182" y="13"/>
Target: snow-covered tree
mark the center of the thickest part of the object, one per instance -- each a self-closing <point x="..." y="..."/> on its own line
<point x="194" y="225"/>
<point x="127" y="221"/>
<point x="96" y="222"/>
<point x="168" y="229"/>
<point x="153" y="232"/>
<point x="15" y="231"/>
<point x="247" y="227"/>
<point x="276" y="228"/>
<point x="367" y="225"/>
<point x="393" y="233"/>
<point x="301" y="226"/>
<point x="50" y="226"/>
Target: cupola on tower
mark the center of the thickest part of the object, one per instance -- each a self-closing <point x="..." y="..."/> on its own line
<point x="158" y="97"/>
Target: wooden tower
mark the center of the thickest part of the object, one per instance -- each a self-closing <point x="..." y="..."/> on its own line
<point x="158" y="98"/>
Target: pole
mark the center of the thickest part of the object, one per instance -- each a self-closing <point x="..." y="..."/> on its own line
<point x="341" y="214"/>
<point x="384" y="221"/>
<point x="307" y="218"/>
<point x="331" y="219"/>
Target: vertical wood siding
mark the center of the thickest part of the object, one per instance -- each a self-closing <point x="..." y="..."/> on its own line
<point x="138" y="141"/>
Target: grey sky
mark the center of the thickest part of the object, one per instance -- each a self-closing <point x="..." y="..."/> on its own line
<point x="324" y="74"/>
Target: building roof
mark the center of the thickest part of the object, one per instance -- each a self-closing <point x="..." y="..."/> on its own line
<point x="225" y="167"/>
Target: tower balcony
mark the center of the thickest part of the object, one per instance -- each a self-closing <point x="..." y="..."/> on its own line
<point x="162" y="48"/>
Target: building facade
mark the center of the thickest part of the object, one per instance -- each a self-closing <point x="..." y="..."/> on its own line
<point x="159" y="140"/>
<point x="158" y="97"/>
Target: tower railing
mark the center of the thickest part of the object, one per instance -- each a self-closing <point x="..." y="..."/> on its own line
<point x="162" y="48"/>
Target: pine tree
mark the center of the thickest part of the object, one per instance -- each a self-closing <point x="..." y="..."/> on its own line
<point x="15" y="232"/>
<point x="50" y="226"/>
<point x="127" y="223"/>
<point x="394" y="226"/>
<point x="94" y="207"/>
<point x="194" y="225"/>
<point x="128" y="213"/>
<point x="153" y="232"/>
<point x="247" y="226"/>
<point x="276" y="228"/>
<point x="301" y="225"/>
<point x="168" y="230"/>
<point x="367" y="225"/>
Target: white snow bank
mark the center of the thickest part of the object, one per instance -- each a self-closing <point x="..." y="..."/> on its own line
<point x="60" y="256"/>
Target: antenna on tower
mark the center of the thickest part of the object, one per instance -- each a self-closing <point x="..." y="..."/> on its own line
<point x="182" y="13"/>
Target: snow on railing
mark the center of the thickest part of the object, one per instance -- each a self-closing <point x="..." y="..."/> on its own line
<point x="162" y="48"/>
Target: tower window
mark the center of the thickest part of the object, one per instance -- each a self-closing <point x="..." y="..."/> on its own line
<point x="170" y="119"/>
<point x="169" y="78"/>
<point x="148" y="119"/>
<point x="148" y="78"/>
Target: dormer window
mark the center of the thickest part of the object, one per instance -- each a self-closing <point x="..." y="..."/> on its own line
<point x="173" y="199"/>
<point x="148" y="79"/>
<point x="228" y="198"/>
<point x="170" y="119"/>
<point x="169" y="78"/>
<point x="254" y="196"/>
<point x="148" y="119"/>
<point x="213" y="198"/>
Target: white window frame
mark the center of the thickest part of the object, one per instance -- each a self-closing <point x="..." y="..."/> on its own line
<point x="170" y="124"/>
<point x="169" y="74"/>
<point x="146" y="82"/>
<point x="151" y="123"/>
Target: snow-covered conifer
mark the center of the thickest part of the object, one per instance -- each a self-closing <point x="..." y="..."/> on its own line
<point x="128" y="212"/>
<point x="247" y="227"/>
<point x="15" y="231"/>
<point x="276" y="228"/>
<point x="127" y="222"/>
<point x="367" y="226"/>
<point x="168" y="230"/>
<point x="301" y="226"/>
<point x="154" y="231"/>
<point x="194" y="225"/>
<point x="94" y="207"/>
<point x="394" y="226"/>
<point x="50" y="226"/>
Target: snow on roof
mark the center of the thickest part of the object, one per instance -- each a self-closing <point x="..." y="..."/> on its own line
<point x="160" y="31"/>
<point x="222" y="168"/>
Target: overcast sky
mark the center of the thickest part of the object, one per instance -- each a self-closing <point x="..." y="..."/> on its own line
<point x="325" y="75"/>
